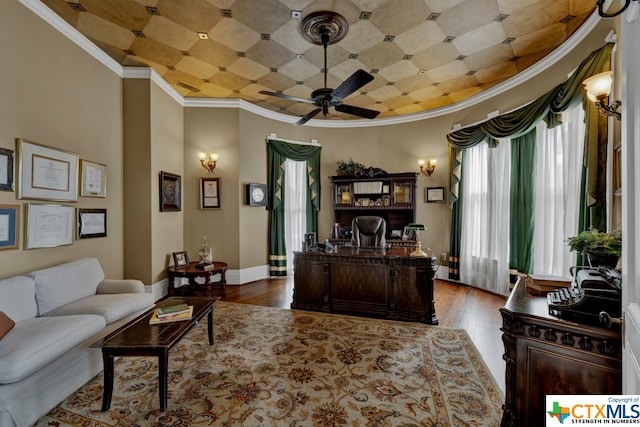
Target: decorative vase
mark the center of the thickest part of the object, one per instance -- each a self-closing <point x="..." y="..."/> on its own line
<point x="206" y="254"/>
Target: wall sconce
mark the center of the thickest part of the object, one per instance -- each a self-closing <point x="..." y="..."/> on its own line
<point x="429" y="168"/>
<point x="633" y="10"/>
<point x="598" y="88"/>
<point x="208" y="161"/>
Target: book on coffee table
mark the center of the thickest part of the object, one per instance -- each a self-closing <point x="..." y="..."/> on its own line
<point x="172" y="310"/>
<point x="155" y="320"/>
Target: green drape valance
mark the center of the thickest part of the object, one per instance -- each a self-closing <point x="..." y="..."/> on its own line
<point x="548" y="107"/>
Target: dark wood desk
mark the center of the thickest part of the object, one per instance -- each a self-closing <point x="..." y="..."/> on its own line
<point x="138" y="338"/>
<point x="548" y="355"/>
<point x="191" y="272"/>
<point x="383" y="283"/>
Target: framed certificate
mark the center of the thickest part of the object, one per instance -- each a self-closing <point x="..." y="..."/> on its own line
<point x="209" y="193"/>
<point x="92" y="223"/>
<point x="434" y="194"/>
<point x="46" y="173"/>
<point x="94" y="179"/>
<point x="9" y="225"/>
<point x="49" y="226"/>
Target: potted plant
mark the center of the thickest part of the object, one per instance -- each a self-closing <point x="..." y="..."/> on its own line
<point x="602" y="249"/>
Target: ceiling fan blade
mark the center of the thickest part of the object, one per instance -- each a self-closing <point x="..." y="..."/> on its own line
<point x="282" y="95"/>
<point x="357" y="111"/>
<point x="353" y="83"/>
<point x="306" y="118"/>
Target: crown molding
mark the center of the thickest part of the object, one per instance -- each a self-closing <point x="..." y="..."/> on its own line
<point x="37" y="7"/>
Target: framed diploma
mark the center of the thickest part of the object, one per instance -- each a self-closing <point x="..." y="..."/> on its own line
<point x="49" y="226"/>
<point x="434" y="194"/>
<point x="170" y="192"/>
<point x="92" y="223"/>
<point x="9" y="225"/>
<point x="209" y="193"/>
<point x="6" y="169"/>
<point x="46" y="173"/>
<point x="94" y="179"/>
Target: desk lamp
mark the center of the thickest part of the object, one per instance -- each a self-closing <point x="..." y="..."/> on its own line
<point x="417" y="228"/>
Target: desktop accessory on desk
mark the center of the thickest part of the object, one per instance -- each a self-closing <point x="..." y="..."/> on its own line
<point x="594" y="298"/>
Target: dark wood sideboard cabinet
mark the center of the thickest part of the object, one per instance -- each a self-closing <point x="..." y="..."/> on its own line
<point x="548" y="355"/>
<point x="391" y="196"/>
<point x="382" y="283"/>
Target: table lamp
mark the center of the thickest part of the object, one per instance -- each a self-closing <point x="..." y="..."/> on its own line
<point x="417" y="228"/>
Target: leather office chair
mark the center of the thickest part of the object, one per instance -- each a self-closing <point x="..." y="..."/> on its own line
<point x="368" y="231"/>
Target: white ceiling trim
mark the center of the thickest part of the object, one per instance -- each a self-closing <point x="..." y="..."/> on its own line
<point x="37" y="7"/>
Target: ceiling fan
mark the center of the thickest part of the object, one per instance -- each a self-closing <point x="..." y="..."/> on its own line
<point x="326" y="28"/>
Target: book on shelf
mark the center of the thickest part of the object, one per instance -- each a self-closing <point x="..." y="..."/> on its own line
<point x="171" y="310"/>
<point x="185" y="315"/>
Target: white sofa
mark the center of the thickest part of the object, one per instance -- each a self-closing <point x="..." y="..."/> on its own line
<point x="58" y="313"/>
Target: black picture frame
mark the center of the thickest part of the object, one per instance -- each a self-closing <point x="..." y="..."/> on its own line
<point x="253" y="191"/>
<point x="170" y="192"/>
<point x="92" y="223"/>
<point x="209" y="193"/>
<point x="180" y="259"/>
<point x="6" y="169"/>
<point x="309" y="241"/>
<point x="434" y="195"/>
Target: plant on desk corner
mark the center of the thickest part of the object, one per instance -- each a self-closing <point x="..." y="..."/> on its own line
<point x="602" y="249"/>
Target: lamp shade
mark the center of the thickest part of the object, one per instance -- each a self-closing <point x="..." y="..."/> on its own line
<point x="598" y="86"/>
<point x="418" y="227"/>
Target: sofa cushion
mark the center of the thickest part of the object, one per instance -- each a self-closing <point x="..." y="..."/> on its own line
<point x="35" y="342"/>
<point x="6" y="324"/>
<point x="111" y="307"/>
<point x="18" y="298"/>
<point x="59" y="285"/>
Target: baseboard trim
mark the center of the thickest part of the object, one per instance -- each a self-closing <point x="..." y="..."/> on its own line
<point x="234" y="277"/>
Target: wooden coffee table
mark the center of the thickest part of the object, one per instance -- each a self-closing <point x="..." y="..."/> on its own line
<point x="138" y="338"/>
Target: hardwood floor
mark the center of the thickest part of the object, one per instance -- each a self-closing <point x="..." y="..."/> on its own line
<point x="457" y="306"/>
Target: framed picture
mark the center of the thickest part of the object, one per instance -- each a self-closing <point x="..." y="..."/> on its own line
<point x="92" y="223"/>
<point x="9" y="225"/>
<point x="209" y="193"/>
<point x="49" y="226"/>
<point x="409" y="234"/>
<point x="396" y="234"/>
<point x="6" y="169"/>
<point x="46" y="173"/>
<point x="434" y="195"/>
<point x="180" y="259"/>
<point x="170" y="192"/>
<point x="94" y="179"/>
<point x="309" y="241"/>
<point x="386" y="200"/>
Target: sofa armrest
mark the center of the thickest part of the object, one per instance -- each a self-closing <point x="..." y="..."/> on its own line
<point x="120" y="286"/>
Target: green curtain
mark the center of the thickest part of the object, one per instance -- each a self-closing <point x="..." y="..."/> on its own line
<point x="520" y="123"/>
<point x="455" y="201"/>
<point x="522" y="206"/>
<point x="277" y="153"/>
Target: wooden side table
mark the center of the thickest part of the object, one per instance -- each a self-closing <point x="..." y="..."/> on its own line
<point x="191" y="272"/>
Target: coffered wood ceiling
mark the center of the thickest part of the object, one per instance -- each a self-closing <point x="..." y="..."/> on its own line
<point x="424" y="54"/>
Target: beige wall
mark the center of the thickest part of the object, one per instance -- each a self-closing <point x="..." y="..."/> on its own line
<point x="55" y="94"/>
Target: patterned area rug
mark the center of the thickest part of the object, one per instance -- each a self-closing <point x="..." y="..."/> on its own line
<point x="276" y="367"/>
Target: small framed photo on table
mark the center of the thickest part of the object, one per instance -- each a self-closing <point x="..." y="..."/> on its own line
<point x="180" y="259"/>
<point x="434" y="194"/>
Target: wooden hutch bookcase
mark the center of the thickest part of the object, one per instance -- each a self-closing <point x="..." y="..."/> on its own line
<point x="391" y="196"/>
